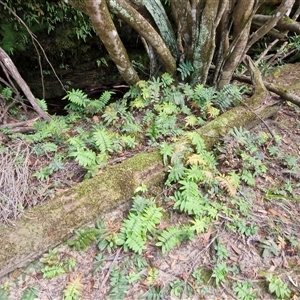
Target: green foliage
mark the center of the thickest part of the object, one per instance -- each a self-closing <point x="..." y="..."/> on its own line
<point x="42" y="103"/>
<point x="278" y="287"/>
<point x="173" y="236"/>
<point x="244" y="291"/>
<point x="39" y="17"/>
<point x="72" y="291"/>
<point x="103" y="140"/>
<point x="219" y="272"/>
<point x="30" y="293"/>
<point x="4" y="294"/>
<point x="185" y="69"/>
<point x="166" y="151"/>
<point x="81" y="104"/>
<point x="83" y="238"/>
<point x="119" y="284"/>
<point x="142" y="218"/>
<point x="52" y="271"/>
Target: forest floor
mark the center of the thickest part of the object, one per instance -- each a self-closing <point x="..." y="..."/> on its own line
<point x="221" y="263"/>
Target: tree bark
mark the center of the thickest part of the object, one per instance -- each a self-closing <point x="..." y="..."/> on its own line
<point x="100" y="17"/>
<point x="204" y="46"/>
<point x="271" y="23"/>
<point x="133" y="18"/>
<point x="242" y="16"/>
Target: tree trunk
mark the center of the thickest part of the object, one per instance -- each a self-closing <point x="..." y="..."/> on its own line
<point x="100" y="17"/>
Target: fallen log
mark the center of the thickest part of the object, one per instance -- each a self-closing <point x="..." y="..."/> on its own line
<point x="48" y="225"/>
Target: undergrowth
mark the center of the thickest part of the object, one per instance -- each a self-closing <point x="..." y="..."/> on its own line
<point x="205" y="192"/>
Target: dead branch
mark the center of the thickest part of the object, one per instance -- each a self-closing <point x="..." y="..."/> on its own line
<point x="11" y="69"/>
<point x="282" y="92"/>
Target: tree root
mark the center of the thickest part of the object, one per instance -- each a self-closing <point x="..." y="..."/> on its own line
<point x="282" y="92"/>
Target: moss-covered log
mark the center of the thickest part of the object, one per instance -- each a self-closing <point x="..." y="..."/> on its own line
<point x="48" y="225"/>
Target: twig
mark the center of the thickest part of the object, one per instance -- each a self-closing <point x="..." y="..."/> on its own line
<point x="109" y="271"/>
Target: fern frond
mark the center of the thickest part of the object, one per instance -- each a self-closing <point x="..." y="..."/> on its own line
<point x="196" y="140"/>
<point x="151" y="217"/>
<point x="195" y="160"/>
<point x="85" y="157"/>
<point x="166" y="79"/>
<point x="73" y="289"/>
<point x="166" y="151"/>
<point x="195" y="173"/>
<point x="185" y="69"/>
<point x="52" y="271"/>
<point x="103" y="140"/>
<point x="77" y="97"/>
<point x="228" y="184"/>
<point x="212" y="112"/>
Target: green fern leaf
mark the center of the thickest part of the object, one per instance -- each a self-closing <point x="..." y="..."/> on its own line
<point x="196" y="140"/>
<point x="166" y="151"/>
<point x="85" y="157"/>
<point x="77" y="97"/>
<point x="52" y="271"/>
<point x="73" y="289"/>
<point x="103" y="140"/>
<point x="151" y="217"/>
<point x="30" y="293"/>
<point x="185" y="69"/>
<point x="171" y="237"/>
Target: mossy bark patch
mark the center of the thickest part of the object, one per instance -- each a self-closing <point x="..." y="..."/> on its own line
<point x="48" y="225"/>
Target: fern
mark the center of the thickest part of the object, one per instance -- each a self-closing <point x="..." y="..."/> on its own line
<point x="84" y="237"/>
<point x="96" y="106"/>
<point x="143" y="217"/>
<point x="73" y="289"/>
<point x="166" y="151"/>
<point x="175" y="172"/>
<point x="166" y="80"/>
<point x="42" y="104"/>
<point x="78" y="100"/>
<point x="119" y="284"/>
<point x="52" y="271"/>
<point x="228" y="183"/>
<point x="203" y="96"/>
<point x="151" y="217"/>
<point x="185" y="69"/>
<point x="85" y="157"/>
<point x="172" y="236"/>
<point x="128" y="141"/>
<point x="30" y="293"/>
<point x="197" y="141"/>
<point x="103" y="140"/>
<point x="228" y="96"/>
